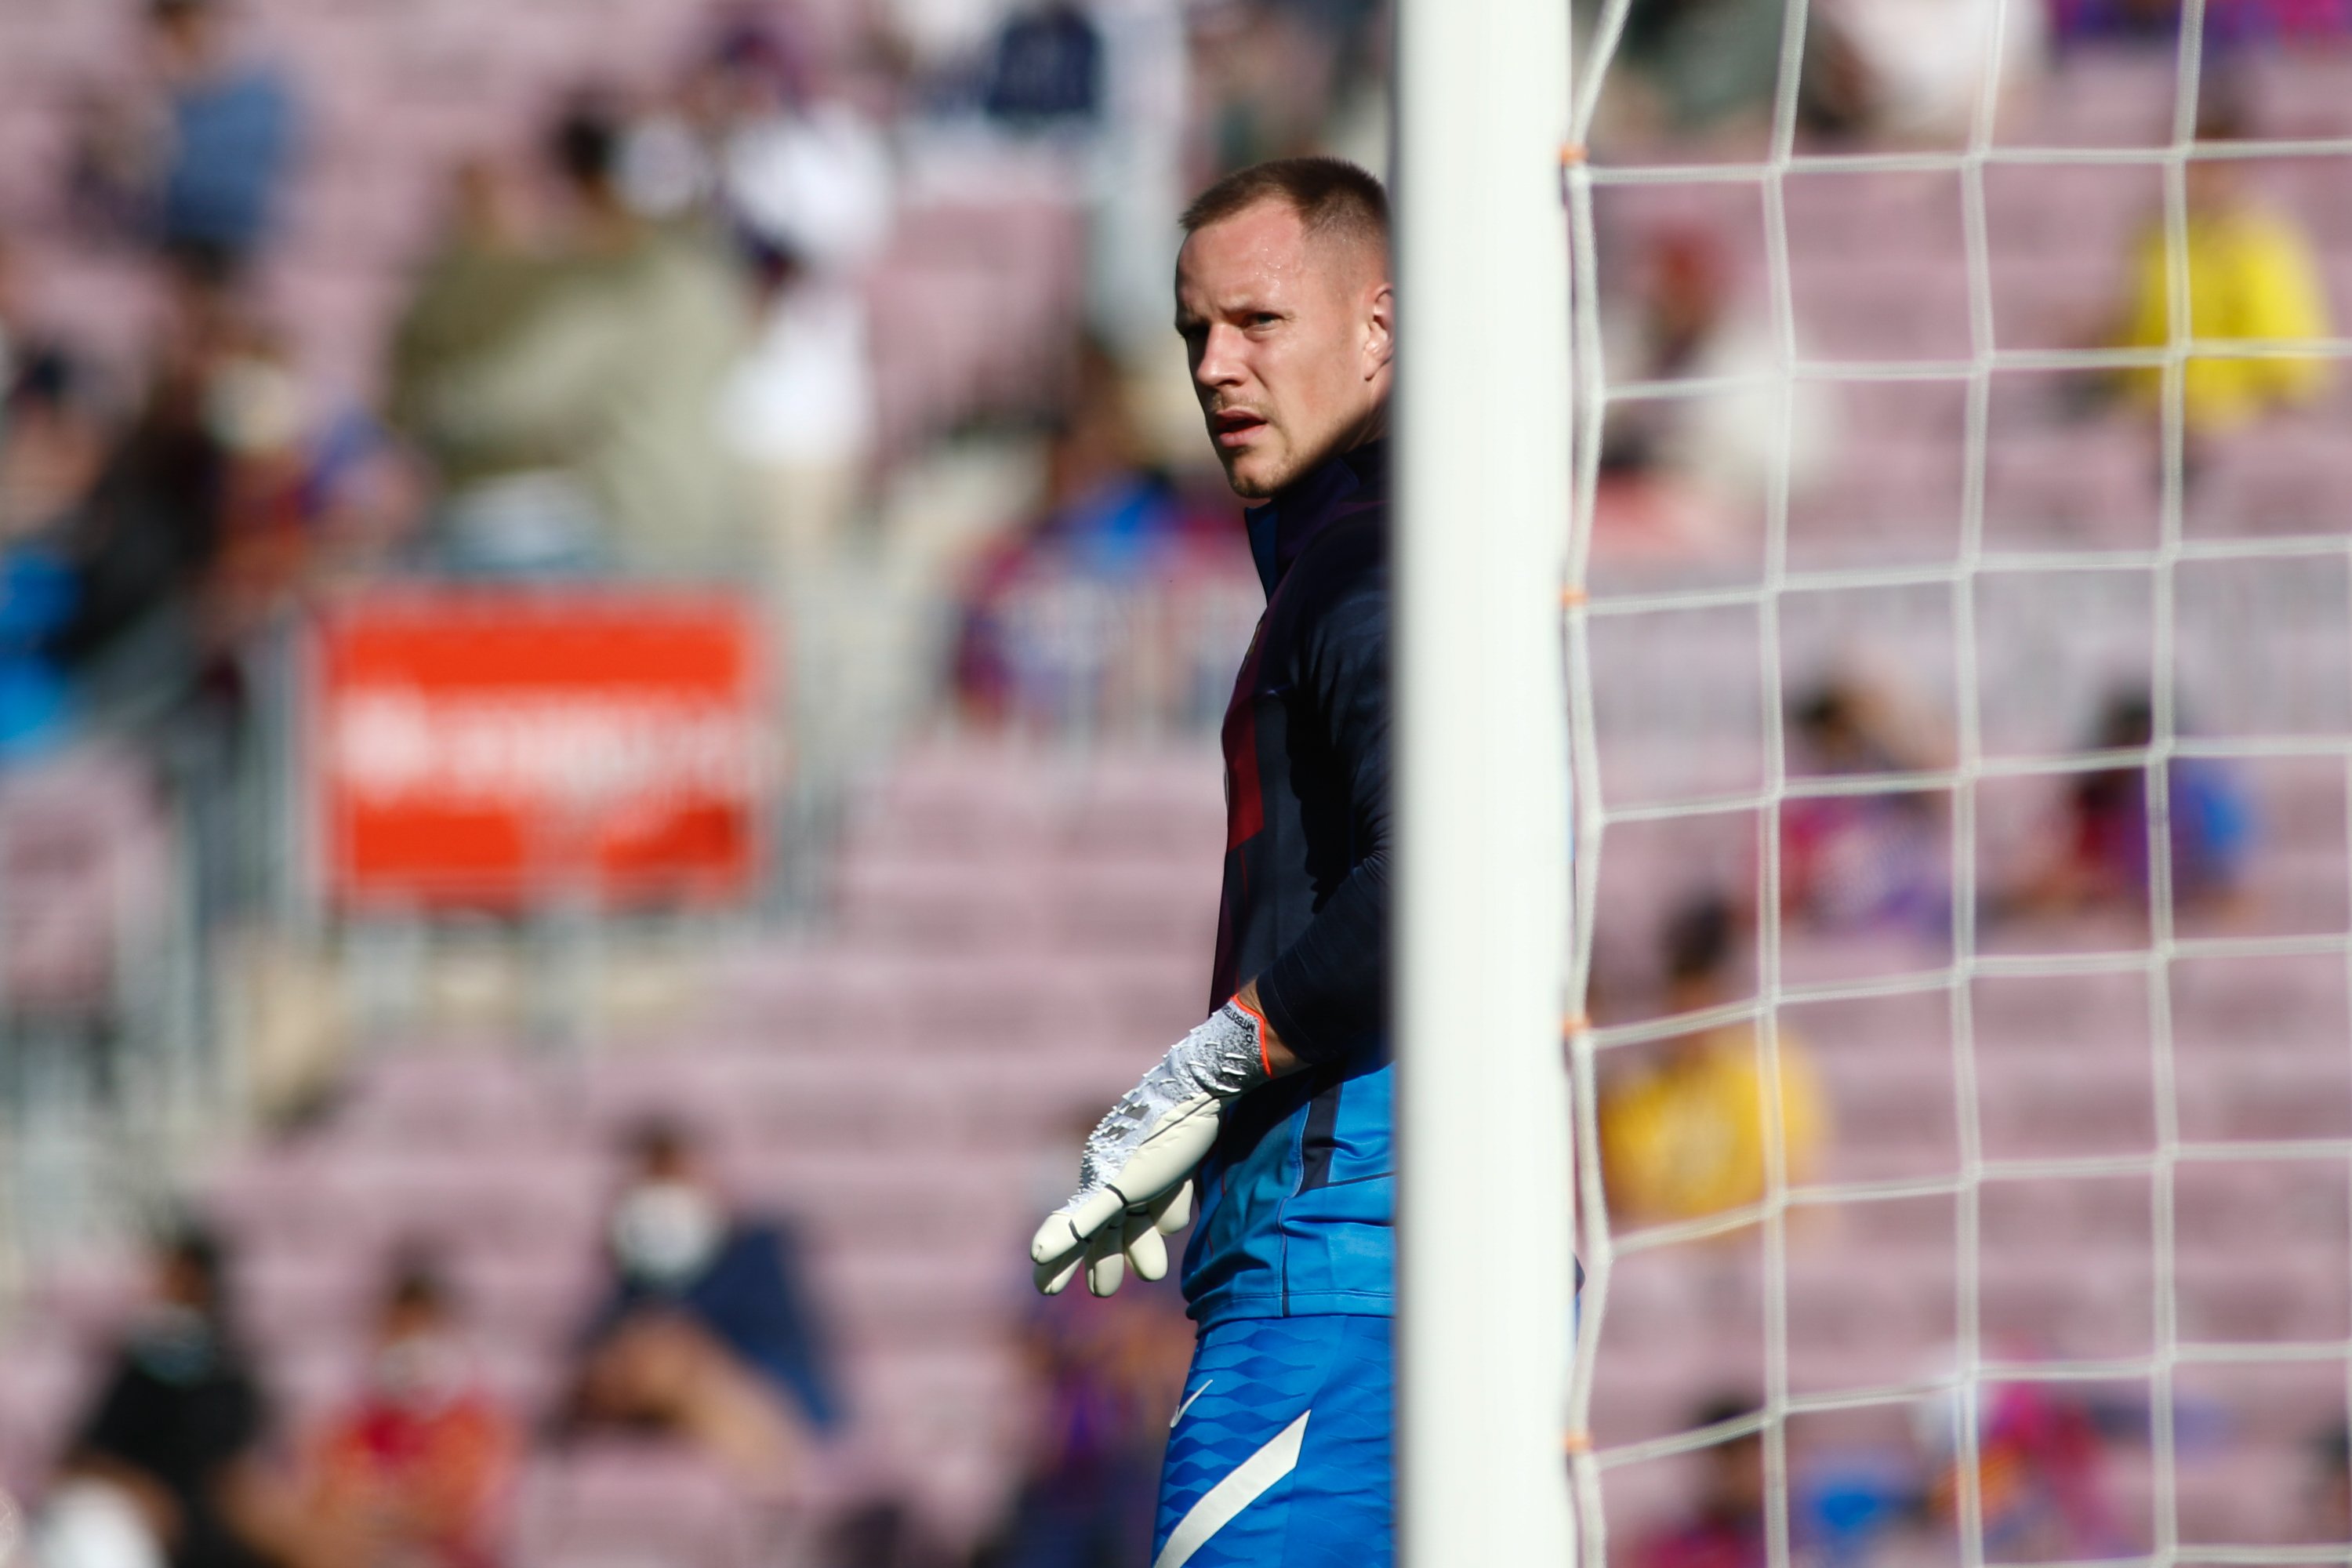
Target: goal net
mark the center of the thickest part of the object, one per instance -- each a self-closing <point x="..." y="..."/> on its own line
<point x="1960" y="664"/>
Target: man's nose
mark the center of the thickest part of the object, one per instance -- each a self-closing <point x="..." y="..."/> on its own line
<point x="1220" y="365"/>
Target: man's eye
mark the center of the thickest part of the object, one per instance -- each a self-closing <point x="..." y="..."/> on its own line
<point x="1263" y="318"/>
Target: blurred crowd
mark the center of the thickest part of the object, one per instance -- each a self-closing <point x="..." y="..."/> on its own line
<point x="1686" y="475"/>
<point x="1708" y="72"/>
<point x="1699" y="1130"/>
<point x="1702" y="1127"/>
<point x="1685" y="1139"/>
<point x="640" y="343"/>
<point x="704" y="1335"/>
<point x="2041" y="1488"/>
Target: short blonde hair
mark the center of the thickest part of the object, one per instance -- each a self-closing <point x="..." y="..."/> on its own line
<point x="1333" y="199"/>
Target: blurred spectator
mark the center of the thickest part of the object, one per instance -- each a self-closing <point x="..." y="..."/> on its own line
<point x="1682" y="471"/>
<point x="1725" y="1529"/>
<point x="50" y="429"/>
<point x="2101" y="861"/>
<point x="231" y="137"/>
<point x="1108" y="1374"/>
<point x="583" y="430"/>
<point x="480" y="278"/>
<point x="1683" y="1135"/>
<point x="1911" y="72"/>
<point x="806" y="184"/>
<point x="2040" y="1474"/>
<point x="1104" y="1376"/>
<point x="1266" y="76"/>
<point x="2228" y="23"/>
<point x="804" y="177"/>
<point x="272" y="485"/>
<point x="1113" y="533"/>
<point x="2331" y="1485"/>
<point x="115" y="145"/>
<point x="50" y="435"/>
<point x="51" y="443"/>
<point x="1690" y="68"/>
<point x="1132" y="170"/>
<point x="673" y="151"/>
<point x="2076" y="22"/>
<point x="143" y="543"/>
<point x="707" y="1333"/>
<point x="186" y="529"/>
<point x="420" y="1465"/>
<point x="173" y="1451"/>
<point x="1862" y="862"/>
<point x="51" y="440"/>
<point x="1047" y="73"/>
<point x="2253" y="275"/>
<point x="12" y="322"/>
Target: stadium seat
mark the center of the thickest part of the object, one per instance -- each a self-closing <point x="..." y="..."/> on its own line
<point x="614" y="1504"/>
<point x="2100" y="98"/>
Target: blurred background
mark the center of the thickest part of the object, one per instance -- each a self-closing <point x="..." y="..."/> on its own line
<point x="612" y="618"/>
<point x="2037" y="1106"/>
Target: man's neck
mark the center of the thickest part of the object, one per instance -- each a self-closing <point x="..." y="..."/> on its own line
<point x="1373" y="427"/>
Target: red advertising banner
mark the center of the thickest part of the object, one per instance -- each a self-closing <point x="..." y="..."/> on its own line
<point x="507" y="746"/>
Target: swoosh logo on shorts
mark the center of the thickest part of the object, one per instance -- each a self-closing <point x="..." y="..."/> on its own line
<point x="1187" y="1405"/>
<point x="1218" y="1505"/>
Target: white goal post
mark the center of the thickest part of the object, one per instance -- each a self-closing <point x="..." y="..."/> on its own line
<point x="1483" y="1330"/>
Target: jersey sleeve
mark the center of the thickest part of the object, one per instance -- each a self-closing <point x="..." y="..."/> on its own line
<point x="1327" y="995"/>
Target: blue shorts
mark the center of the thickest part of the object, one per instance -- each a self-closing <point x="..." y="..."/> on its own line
<point x="1281" y="1455"/>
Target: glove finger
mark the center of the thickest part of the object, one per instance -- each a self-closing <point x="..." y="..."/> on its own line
<point x="1106" y="1263"/>
<point x="1053" y="1278"/>
<point x="1174" y="1212"/>
<point x="1147" y="1254"/>
<point x="1067" y="1229"/>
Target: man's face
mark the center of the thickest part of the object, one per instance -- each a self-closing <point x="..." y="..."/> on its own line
<point x="1291" y="340"/>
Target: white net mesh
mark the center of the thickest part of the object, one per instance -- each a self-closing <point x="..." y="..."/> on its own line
<point x="2067" y="1275"/>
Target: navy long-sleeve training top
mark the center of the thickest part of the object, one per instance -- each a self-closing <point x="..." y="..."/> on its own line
<point x="1296" y="1200"/>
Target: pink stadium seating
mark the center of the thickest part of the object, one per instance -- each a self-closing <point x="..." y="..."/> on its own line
<point x="453" y="1095"/>
<point x="2122" y="97"/>
<point x="1858" y="307"/>
<point x="612" y="1504"/>
<point x="1902" y="220"/>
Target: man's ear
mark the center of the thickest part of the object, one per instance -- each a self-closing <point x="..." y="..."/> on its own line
<point x="1379" y="330"/>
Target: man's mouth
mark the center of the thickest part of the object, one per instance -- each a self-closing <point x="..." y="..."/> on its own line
<point x="1234" y="427"/>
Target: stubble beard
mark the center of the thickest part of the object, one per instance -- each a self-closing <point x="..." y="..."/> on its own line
<point x="1260" y="487"/>
<point x="1249" y="489"/>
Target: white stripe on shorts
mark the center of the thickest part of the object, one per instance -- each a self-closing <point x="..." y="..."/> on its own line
<point x="1249" y="1482"/>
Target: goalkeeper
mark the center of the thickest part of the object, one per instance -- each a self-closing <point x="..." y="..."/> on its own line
<point x="1273" y="1117"/>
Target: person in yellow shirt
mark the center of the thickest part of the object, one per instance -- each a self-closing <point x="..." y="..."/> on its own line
<point x="2253" y="278"/>
<point x="1683" y="1135"/>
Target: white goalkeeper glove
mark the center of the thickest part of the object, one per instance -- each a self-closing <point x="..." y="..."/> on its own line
<point x="1135" y="1178"/>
